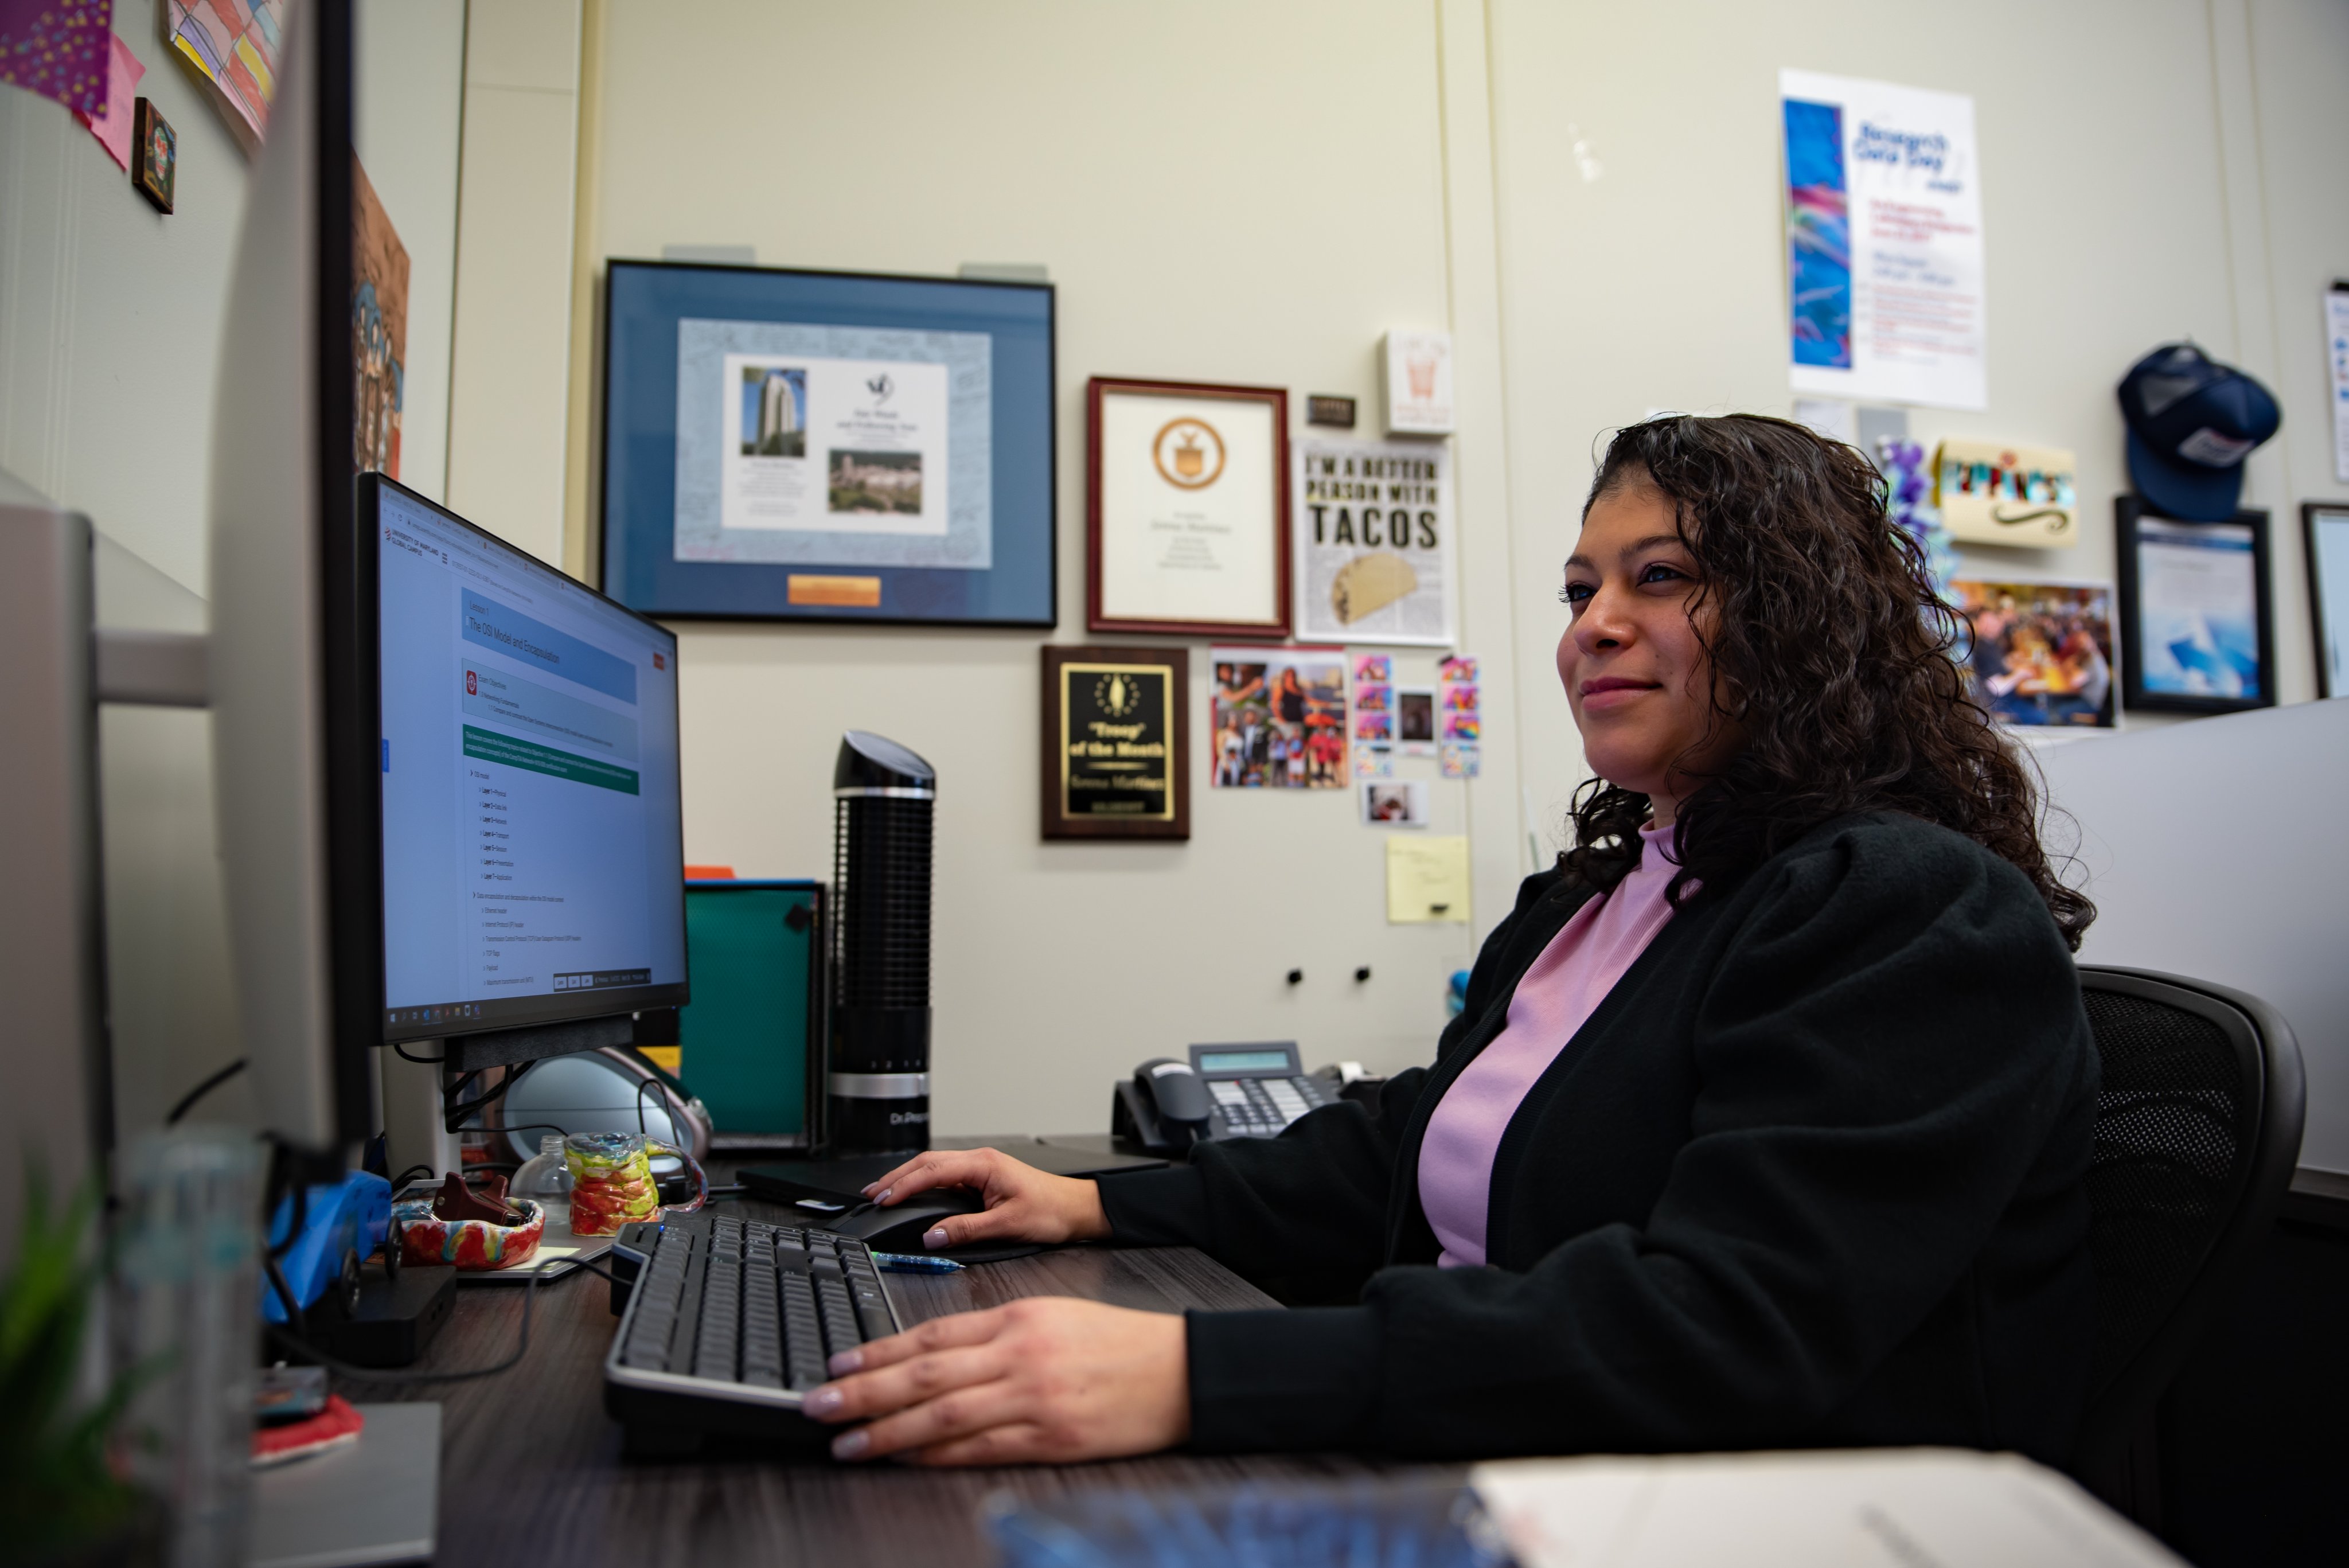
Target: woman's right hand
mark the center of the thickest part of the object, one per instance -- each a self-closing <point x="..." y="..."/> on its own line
<point x="1023" y="1203"/>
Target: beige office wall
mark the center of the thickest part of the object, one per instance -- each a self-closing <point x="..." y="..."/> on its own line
<point x="510" y="365"/>
<point x="1222" y="192"/>
<point x="1642" y="251"/>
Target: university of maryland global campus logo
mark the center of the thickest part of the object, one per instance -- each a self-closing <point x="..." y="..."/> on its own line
<point x="1189" y="453"/>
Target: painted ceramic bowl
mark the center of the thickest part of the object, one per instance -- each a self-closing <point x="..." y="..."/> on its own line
<point x="475" y="1244"/>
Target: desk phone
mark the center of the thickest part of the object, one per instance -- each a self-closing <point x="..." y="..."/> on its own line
<point x="1223" y="1091"/>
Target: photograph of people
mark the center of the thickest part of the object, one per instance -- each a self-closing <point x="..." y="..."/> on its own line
<point x="1766" y="1121"/>
<point x="2040" y="653"/>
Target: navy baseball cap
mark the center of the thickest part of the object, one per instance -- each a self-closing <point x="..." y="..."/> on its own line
<point x="2191" y="422"/>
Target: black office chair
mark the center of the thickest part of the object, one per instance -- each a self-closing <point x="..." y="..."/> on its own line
<point x="2198" y="1129"/>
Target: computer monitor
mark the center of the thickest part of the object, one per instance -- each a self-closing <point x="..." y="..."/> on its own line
<point x="534" y="856"/>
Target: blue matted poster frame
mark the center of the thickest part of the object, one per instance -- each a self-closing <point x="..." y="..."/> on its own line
<point x="644" y="303"/>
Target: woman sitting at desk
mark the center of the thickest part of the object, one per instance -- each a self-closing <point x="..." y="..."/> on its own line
<point x="1766" y="1121"/>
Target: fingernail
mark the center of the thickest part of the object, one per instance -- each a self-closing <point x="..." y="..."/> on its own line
<point x="821" y="1402"/>
<point x="881" y="1196"/>
<point x="936" y="1236"/>
<point x="847" y="1362"/>
<point x="849" y="1445"/>
<point x="867" y="1187"/>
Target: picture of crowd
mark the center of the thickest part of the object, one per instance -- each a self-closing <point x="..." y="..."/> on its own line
<point x="1280" y="723"/>
<point x="2040" y="654"/>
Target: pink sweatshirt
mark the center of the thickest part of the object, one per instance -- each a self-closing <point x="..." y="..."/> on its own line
<point x="1558" y="993"/>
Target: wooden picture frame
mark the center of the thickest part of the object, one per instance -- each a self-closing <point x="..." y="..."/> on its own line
<point x="154" y="156"/>
<point x="1186" y="517"/>
<point x="2324" y="530"/>
<point x="1093" y="770"/>
<point x="2159" y="659"/>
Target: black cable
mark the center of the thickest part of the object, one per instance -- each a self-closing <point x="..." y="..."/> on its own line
<point x="401" y="1051"/>
<point x="410" y="1174"/>
<point x="189" y="1099"/>
<point x="300" y="1346"/>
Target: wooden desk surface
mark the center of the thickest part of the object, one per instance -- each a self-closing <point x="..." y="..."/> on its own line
<point x="531" y="1467"/>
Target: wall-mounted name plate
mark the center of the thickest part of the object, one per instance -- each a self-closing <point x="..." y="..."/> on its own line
<point x="1995" y="495"/>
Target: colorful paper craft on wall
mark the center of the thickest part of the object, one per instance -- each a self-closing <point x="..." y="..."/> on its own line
<point x="233" y="44"/>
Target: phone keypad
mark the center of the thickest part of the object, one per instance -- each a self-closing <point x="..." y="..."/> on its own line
<point x="1261" y="1107"/>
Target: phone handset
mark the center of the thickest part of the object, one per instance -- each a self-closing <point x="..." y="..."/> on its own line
<point x="1164" y="1106"/>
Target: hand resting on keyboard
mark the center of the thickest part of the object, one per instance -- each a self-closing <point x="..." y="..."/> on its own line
<point x="1023" y="1204"/>
<point x="1042" y="1380"/>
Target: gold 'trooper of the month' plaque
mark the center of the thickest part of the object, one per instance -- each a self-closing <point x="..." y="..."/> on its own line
<point x="1116" y="742"/>
<point x="1117" y="749"/>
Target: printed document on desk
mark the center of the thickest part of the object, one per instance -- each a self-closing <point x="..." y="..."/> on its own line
<point x="1949" y="1507"/>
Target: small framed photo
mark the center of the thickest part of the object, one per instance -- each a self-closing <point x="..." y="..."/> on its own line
<point x="1394" y="803"/>
<point x="2196" y="630"/>
<point x="2038" y="654"/>
<point x="2326" y="524"/>
<point x="1187" y="509"/>
<point x="1415" y="709"/>
<point x="155" y="155"/>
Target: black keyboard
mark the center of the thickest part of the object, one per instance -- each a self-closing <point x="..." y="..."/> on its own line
<point x="726" y="1323"/>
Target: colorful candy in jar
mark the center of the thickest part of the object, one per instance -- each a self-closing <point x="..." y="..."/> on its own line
<point x="610" y="1182"/>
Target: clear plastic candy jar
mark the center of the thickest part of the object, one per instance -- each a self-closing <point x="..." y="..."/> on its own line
<point x="610" y="1182"/>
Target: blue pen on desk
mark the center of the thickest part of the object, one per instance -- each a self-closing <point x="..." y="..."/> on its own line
<point x="912" y="1263"/>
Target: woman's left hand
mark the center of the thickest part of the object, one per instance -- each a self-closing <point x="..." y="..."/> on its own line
<point x="1042" y="1380"/>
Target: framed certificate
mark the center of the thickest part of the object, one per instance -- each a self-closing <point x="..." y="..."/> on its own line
<point x="2196" y="629"/>
<point x="1187" y="527"/>
<point x="2327" y="526"/>
<point x="813" y="446"/>
<point x="1117" y="742"/>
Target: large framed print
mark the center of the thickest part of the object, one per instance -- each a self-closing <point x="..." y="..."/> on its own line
<point x="1187" y="514"/>
<point x="820" y="446"/>
<point x="2326" y="524"/>
<point x="1117" y="742"/>
<point x="2196" y="627"/>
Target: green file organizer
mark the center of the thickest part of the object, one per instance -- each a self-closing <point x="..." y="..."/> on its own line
<point x="752" y="1036"/>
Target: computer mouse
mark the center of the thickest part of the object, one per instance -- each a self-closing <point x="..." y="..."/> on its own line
<point x="900" y="1227"/>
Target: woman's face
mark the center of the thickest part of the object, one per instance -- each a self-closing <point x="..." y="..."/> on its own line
<point x="1636" y="673"/>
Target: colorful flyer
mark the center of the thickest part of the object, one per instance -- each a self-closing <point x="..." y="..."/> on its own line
<point x="1884" y="242"/>
<point x="1372" y="527"/>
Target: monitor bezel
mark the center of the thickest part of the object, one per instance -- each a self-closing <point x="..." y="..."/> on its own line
<point x="547" y="1009"/>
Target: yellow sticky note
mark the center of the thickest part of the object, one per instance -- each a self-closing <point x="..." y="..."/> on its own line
<point x="1427" y="879"/>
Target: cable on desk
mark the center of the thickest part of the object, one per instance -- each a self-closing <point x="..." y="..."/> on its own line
<point x="297" y="1346"/>
<point x="401" y="1051"/>
<point x="188" y="1100"/>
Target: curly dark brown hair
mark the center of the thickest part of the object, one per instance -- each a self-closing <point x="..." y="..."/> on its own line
<point x="1832" y="653"/>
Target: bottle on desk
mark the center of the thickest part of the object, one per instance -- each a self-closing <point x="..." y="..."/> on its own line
<point x="545" y="1179"/>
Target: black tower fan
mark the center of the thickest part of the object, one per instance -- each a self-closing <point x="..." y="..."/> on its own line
<point x="883" y="800"/>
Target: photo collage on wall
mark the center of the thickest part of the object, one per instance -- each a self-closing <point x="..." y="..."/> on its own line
<point x="1278" y="719"/>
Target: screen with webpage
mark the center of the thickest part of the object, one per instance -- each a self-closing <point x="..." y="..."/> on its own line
<point x="532" y="851"/>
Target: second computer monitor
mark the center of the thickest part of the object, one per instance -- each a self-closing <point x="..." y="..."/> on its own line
<point x="532" y="852"/>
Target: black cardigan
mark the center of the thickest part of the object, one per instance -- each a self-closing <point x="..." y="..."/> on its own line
<point x="1809" y="1176"/>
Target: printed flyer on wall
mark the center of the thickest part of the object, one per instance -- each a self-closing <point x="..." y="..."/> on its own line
<point x="1884" y="241"/>
<point x="1372" y="522"/>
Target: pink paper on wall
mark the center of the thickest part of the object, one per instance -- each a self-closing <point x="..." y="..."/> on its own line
<point x="56" y="49"/>
<point x="112" y="128"/>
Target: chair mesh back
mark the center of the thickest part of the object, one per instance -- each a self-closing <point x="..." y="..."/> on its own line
<point x="2171" y="1129"/>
